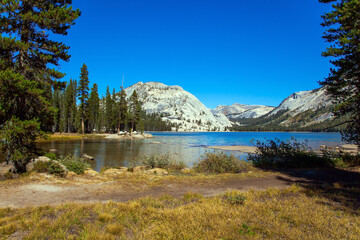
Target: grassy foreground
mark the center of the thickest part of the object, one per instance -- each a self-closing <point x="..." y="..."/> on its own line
<point x="292" y="213"/>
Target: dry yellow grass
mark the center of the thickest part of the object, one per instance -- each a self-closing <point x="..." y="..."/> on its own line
<point x="70" y="136"/>
<point x="292" y="213"/>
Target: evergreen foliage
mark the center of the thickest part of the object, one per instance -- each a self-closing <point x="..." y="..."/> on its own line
<point x="94" y="109"/>
<point x="83" y="93"/>
<point x="108" y="110"/>
<point x="27" y="56"/>
<point x="135" y="122"/>
<point x="343" y="83"/>
<point x="123" y="111"/>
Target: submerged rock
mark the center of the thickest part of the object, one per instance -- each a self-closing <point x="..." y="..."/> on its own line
<point x="87" y="157"/>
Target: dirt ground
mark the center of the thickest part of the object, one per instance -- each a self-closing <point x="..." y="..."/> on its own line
<point x="43" y="189"/>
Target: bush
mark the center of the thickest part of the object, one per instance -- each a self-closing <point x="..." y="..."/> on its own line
<point x="341" y="159"/>
<point x="74" y="163"/>
<point x="52" y="167"/>
<point x="165" y="161"/>
<point x="219" y="162"/>
<point x="50" y="155"/>
<point x="289" y="154"/>
<point x="235" y="198"/>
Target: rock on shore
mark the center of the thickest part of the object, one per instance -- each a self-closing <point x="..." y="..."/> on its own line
<point x="130" y="136"/>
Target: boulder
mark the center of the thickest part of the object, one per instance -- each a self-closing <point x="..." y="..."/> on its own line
<point x="4" y="168"/>
<point x="87" y="157"/>
<point x="114" y="171"/>
<point x="157" y="171"/>
<point x="30" y="165"/>
<point x="91" y="173"/>
<point x="139" y="169"/>
<point x="71" y="174"/>
<point x="185" y="170"/>
<point x="147" y="135"/>
<point x="53" y="150"/>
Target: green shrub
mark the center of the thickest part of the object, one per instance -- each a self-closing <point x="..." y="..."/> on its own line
<point x="289" y="154"/>
<point x="220" y="162"/>
<point x="52" y="167"/>
<point x="74" y="163"/>
<point x="50" y="155"/>
<point x="165" y="161"/>
<point x="235" y="198"/>
<point x="341" y="159"/>
<point x="41" y="167"/>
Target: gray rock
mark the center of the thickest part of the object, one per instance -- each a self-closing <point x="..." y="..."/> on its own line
<point x="30" y="165"/>
<point x="4" y="168"/>
<point x="87" y="157"/>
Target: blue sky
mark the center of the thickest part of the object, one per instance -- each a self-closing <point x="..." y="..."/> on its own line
<point x="222" y="51"/>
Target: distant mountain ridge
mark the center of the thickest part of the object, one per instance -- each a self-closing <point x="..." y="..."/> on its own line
<point x="237" y="110"/>
<point x="187" y="113"/>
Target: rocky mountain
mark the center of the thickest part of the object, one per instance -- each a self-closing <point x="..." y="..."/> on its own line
<point x="177" y="106"/>
<point x="237" y="111"/>
<point x="305" y="110"/>
<point x="305" y="100"/>
<point x="187" y="113"/>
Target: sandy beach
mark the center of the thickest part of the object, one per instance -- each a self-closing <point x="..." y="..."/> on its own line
<point x="240" y="148"/>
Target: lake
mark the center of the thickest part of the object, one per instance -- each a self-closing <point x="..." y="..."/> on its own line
<point x="187" y="146"/>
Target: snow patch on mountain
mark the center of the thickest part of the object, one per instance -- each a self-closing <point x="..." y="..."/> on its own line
<point x="177" y="106"/>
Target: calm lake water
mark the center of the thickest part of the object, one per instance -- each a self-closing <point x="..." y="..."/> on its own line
<point x="186" y="146"/>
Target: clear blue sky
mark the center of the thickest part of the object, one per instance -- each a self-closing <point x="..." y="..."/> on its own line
<point x="222" y="51"/>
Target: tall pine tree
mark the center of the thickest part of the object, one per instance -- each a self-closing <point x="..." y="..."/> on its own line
<point x="83" y="92"/>
<point x="123" y="111"/>
<point x="343" y="84"/>
<point x="108" y="110"/>
<point x="135" y="109"/>
<point x="27" y="58"/>
<point x="94" y="109"/>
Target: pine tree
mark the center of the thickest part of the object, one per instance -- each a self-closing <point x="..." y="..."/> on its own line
<point x="343" y="83"/>
<point x="108" y="110"/>
<point x="83" y="92"/>
<point x="115" y="111"/>
<point x="26" y="58"/>
<point x="102" y="114"/>
<point x="56" y="102"/>
<point x="135" y="109"/>
<point x="94" y="108"/>
<point x="70" y="108"/>
<point x="123" y="111"/>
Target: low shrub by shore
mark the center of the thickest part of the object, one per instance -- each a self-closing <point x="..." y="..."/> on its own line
<point x="220" y="162"/>
<point x="294" y="154"/>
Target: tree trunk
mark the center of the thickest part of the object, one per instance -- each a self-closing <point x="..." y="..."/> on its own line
<point x="82" y="126"/>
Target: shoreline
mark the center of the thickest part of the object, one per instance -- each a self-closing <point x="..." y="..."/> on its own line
<point x="240" y="148"/>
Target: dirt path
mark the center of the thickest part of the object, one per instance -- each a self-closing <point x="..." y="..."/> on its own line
<point x="42" y="189"/>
